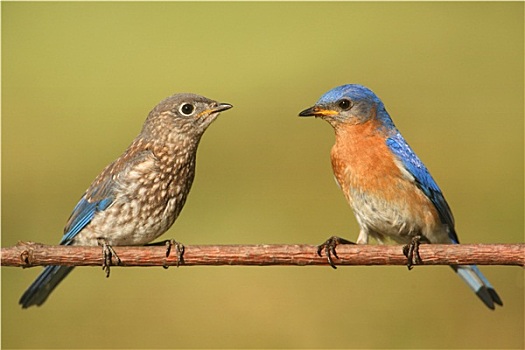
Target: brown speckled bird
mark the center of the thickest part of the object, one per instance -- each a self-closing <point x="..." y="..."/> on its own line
<point x="139" y="196"/>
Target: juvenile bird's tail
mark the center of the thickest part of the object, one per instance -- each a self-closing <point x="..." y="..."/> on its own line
<point x="479" y="284"/>
<point x="45" y="283"/>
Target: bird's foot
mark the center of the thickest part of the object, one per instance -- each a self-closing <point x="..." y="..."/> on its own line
<point x="169" y="243"/>
<point x="411" y="251"/>
<point x="329" y="248"/>
<point x="108" y="253"/>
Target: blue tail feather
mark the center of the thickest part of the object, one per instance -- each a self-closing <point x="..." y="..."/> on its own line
<point x="479" y="284"/>
<point x="45" y="283"/>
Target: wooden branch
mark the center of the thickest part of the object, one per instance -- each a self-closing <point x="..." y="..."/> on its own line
<point x="27" y="254"/>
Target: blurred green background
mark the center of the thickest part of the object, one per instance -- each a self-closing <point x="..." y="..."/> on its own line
<point x="78" y="80"/>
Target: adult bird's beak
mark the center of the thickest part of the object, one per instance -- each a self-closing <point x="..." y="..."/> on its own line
<point x="316" y="111"/>
<point x="222" y="107"/>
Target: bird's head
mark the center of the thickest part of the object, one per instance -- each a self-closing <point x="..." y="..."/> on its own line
<point x="184" y="114"/>
<point x="349" y="104"/>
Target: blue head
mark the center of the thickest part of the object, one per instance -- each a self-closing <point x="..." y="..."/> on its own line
<point x="349" y="104"/>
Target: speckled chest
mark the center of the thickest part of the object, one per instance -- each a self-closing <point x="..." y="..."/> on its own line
<point x="149" y="195"/>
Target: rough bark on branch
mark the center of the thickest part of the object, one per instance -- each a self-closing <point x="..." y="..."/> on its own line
<point x="27" y="254"/>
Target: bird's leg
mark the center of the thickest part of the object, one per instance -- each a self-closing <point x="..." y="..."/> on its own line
<point x="329" y="248"/>
<point x="107" y="252"/>
<point x="169" y="243"/>
<point x="411" y="251"/>
<point x="179" y="250"/>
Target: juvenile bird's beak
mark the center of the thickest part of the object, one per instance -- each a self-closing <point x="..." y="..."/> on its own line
<point x="316" y="111"/>
<point x="213" y="112"/>
<point x="222" y="107"/>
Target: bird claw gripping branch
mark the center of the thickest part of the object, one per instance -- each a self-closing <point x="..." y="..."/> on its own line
<point x="411" y="251"/>
<point x="329" y="248"/>
<point x="108" y="253"/>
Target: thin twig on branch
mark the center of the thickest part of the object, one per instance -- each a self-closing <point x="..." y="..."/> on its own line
<point x="27" y="254"/>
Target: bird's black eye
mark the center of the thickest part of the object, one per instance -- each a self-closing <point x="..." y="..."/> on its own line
<point x="187" y="109"/>
<point x="345" y="104"/>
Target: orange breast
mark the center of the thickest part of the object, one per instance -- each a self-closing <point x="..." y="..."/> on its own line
<point x="361" y="158"/>
<point x="384" y="198"/>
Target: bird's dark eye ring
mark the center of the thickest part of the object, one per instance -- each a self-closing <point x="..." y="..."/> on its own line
<point x="345" y="104"/>
<point x="187" y="109"/>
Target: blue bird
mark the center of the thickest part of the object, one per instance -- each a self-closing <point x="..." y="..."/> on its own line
<point x="389" y="189"/>
<point x="137" y="198"/>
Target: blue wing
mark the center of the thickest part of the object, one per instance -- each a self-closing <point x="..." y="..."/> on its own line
<point x="97" y="198"/>
<point x="470" y="273"/>
<point x="423" y="179"/>
<point x="103" y="191"/>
